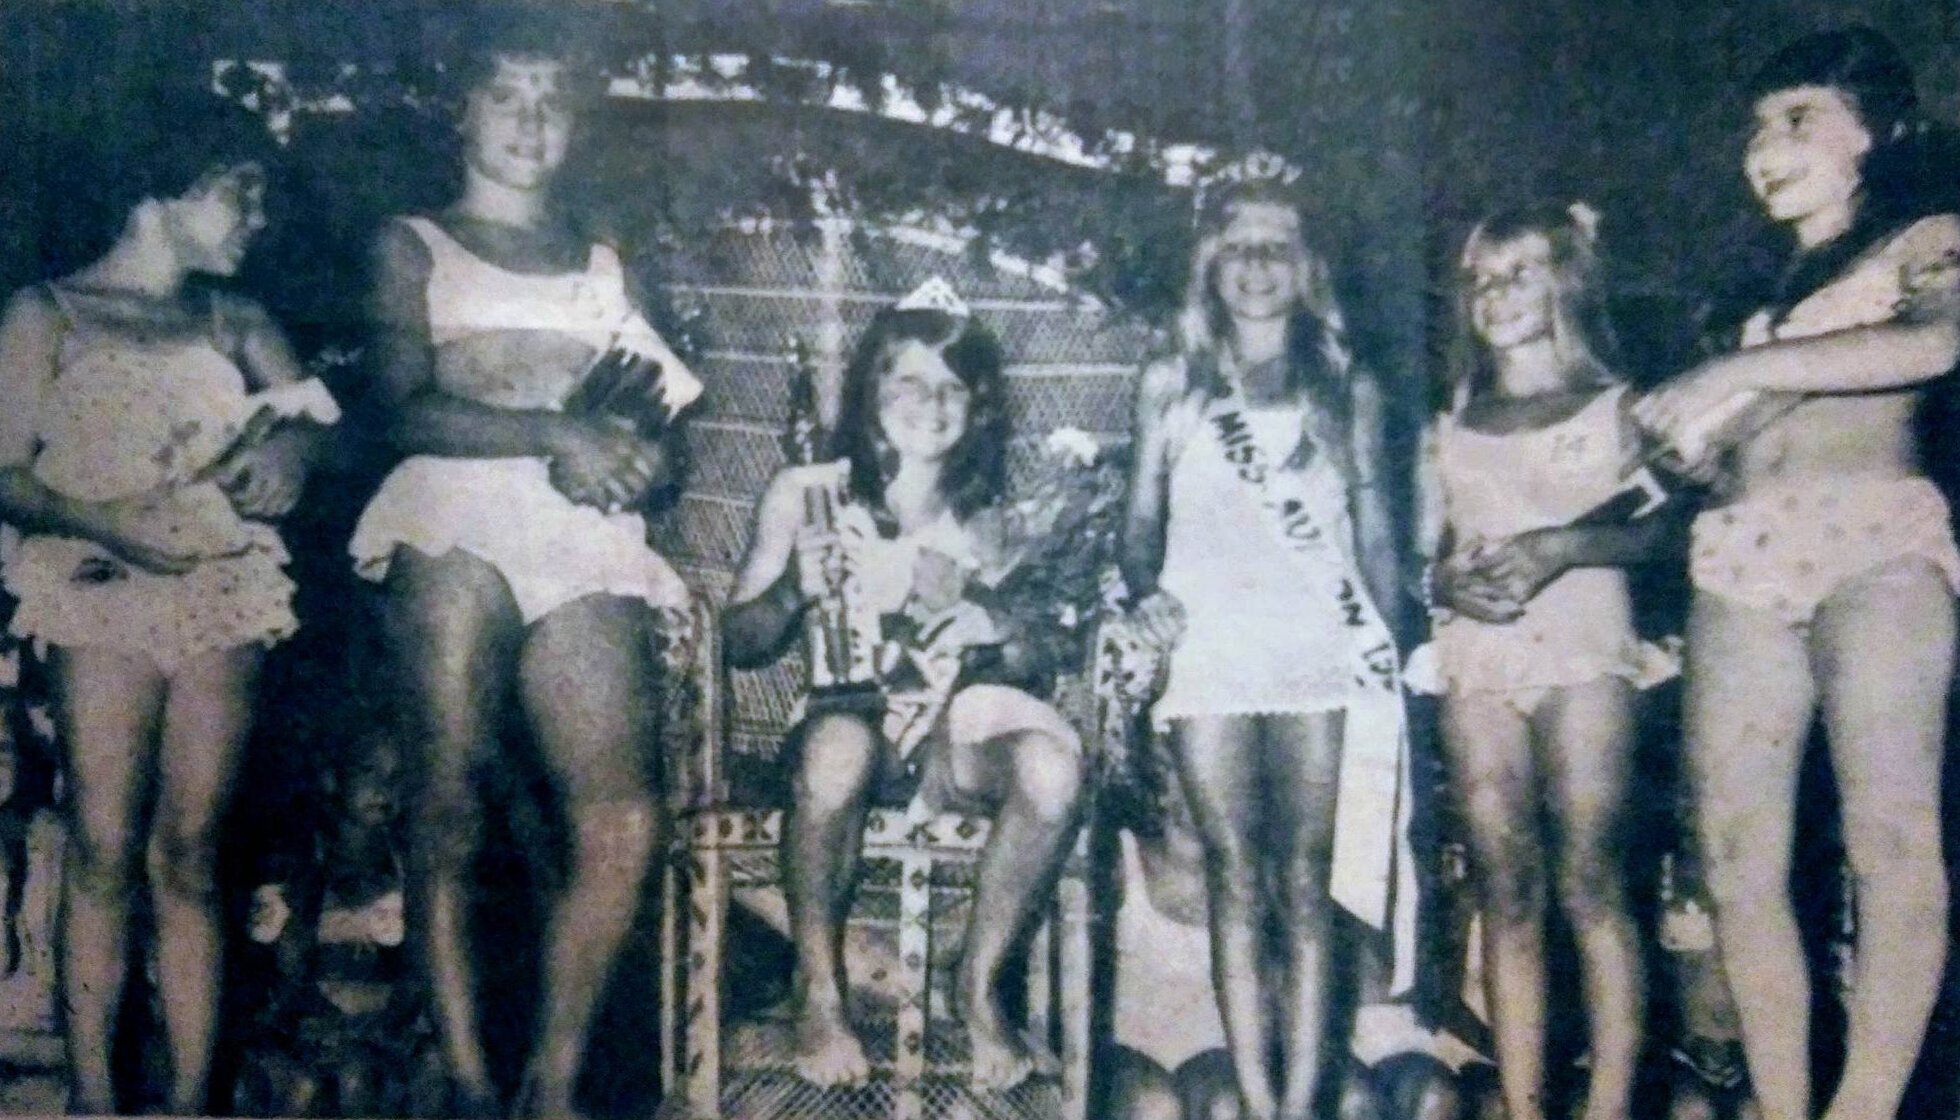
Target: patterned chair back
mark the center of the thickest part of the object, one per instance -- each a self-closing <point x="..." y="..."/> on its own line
<point x="748" y="293"/>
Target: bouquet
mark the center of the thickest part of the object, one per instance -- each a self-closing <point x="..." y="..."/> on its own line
<point x="1052" y="542"/>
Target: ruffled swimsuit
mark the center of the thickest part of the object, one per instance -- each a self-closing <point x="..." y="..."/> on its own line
<point x="1579" y="627"/>
<point x="135" y="421"/>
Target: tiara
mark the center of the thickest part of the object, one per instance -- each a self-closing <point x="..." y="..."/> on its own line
<point x="936" y="295"/>
<point x="1253" y="167"/>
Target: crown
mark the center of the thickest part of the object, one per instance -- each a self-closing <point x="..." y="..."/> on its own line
<point x="936" y="295"/>
<point x="1253" y="167"/>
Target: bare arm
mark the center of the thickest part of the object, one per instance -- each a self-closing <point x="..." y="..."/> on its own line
<point x="1142" y="547"/>
<point x="765" y="605"/>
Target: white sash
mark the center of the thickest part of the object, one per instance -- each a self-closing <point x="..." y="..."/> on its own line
<point x="1374" y="867"/>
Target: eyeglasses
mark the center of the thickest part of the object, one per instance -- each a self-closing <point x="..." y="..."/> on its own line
<point x="913" y="391"/>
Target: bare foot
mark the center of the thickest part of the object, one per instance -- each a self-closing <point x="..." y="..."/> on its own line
<point x="1003" y="1057"/>
<point x="827" y="1053"/>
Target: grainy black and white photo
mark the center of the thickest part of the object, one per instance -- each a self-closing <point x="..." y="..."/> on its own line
<point x="980" y="559"/>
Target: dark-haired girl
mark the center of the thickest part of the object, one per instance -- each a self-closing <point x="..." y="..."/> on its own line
<point x="1824" y="574"/>
<point x="1256" y="522"/>
<point x="147" y="568"/>
<point x="921" y="440"/>
<point x="512" y="553"/>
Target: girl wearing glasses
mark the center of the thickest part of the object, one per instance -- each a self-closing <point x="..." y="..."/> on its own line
<point x="892" y="531"/>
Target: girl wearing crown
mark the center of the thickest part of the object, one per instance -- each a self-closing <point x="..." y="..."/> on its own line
<point x="1256" y="520"/>
<point x="514" y="561"/>
<point x="920" y="694"/>
<point x="1824" y="572"/>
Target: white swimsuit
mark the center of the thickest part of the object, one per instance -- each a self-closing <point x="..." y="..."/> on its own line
<point x="549" y="549"/>
<point x="1258" y="637"/>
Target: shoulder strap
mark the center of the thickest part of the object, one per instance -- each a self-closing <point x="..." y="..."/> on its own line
<point x="65" y="322"/>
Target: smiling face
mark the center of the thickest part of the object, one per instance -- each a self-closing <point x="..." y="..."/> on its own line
<point x="1257" y="268"/>
<point x="518" y="122"/>
<point x="1514" y="291"/>
<point x="212" y="224"/>
<point x="922" y="403"/>
<point x="1804" y="158"/>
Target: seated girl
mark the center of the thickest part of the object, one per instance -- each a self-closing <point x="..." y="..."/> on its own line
<point x="885" y="537"/>
<point x="139" y="467"/>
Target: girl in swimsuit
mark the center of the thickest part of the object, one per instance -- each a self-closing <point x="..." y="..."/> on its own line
<point x="922" y="438"/>
<point x="1535" y="639"/>
<point x="1824" y="574"/>
<point x="513" y="560"/>
<point x="1254" y="522"/>
<point x="147" y="568"/>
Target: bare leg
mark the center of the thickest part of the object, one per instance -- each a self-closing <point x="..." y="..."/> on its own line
<point x="1884" y="648"/>
<point x="1492" y="767"/>
<point x="109" y="708"/>
<point x="1585" y="734"/>
<point x="590" y="689"/>
<point x="1748" y="710"/>
<point x="454" y="629"/>
<point x="1303" y="762"/>
<point x="837" y="756"/>
<point x="1218" y="759"/>
<point x="206" y="722"/>
<point x="1036" y="776"/>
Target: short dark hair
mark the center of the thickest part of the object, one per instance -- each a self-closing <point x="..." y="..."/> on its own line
<point x="159" y="146"/>
<point x="976" y="467"/>
<point x="1857" y="61"/>
<point x="499" y="31"/>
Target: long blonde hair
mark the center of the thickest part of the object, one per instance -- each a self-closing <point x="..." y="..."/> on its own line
<point x="1320" y="367"/>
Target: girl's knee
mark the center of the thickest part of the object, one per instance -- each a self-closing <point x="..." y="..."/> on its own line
<point x="619" y="832"/>
<point x="1233" y="872"/>
<point x="1048" y="777"/>
<point x="1516" y="893"/>
<point x="102" y="857"/>
<point x="837" y="755"/>
<point x="447" y="824"/>
<point x="183" y="858"/>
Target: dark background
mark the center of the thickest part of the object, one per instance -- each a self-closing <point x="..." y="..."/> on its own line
<point x="1411" y="118"/>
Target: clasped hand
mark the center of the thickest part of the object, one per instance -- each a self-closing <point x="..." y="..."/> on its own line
<point x="264" y="480"/>
<point x="608" y="466"/>
<point x="1491" y="581"/>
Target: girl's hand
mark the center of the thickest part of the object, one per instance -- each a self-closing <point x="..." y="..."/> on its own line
<point x="1160" y="617"/>
<point x="1522" y="565"/>
<point x="1464" y="584"/>
<point x="265" y="480"/>
<point x="116" y="528"/>
<point x="600" y="465"/>
<point x="819" y="559"/>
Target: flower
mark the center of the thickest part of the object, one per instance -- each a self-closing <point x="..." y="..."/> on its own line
<point x="1076" y="446"/>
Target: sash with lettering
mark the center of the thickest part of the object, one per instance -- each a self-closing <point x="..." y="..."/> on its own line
<point x="1374" y="868"/>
